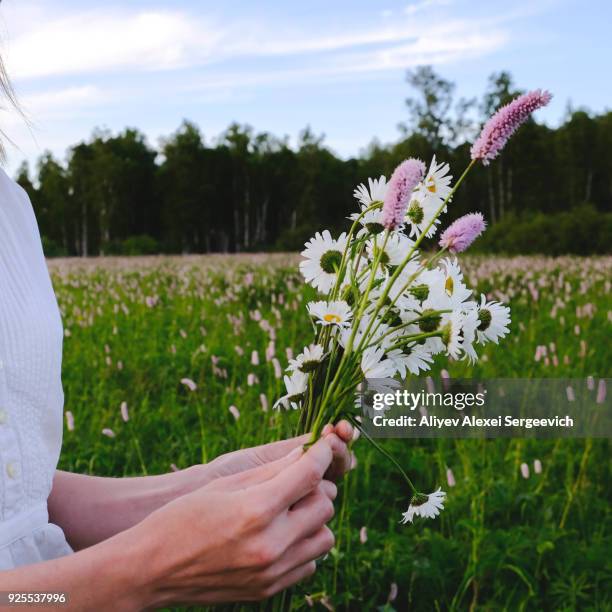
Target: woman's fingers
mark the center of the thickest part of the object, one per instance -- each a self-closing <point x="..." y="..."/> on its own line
<point x="344" y="430"/>
<point x="257" y="475"/>
<point x="290" y="578"/>
<point x="342" y="457"/>
<point x="310" y="514"/>
<point x="276" y="450"/>
<point x="297" y="479"/>
<point x="305" y="550"/>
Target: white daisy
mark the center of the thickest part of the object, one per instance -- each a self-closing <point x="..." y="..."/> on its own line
<point x="450" y="288"/>
<point x="376" y="330"/>
<point x="373" y="364"/>
<point x="323" y="256"/>
<point x="436" y="185"/>
<point x="419" y="214"/>
<point x="494" y="319"/>
<point x="375" y="192"/>
<point x="413" y="359"/>
<point x="333" y="313"/>
<point x="393" y="252"/>
<point x="364" y="394"/>
<point x="371" y="221"/>
<point x="423" y="285"/>
<point x="427" y="506"/>
<point x="404" y="300"/>
<point x="296" y="386"/>
<point x="452" y="327"/>
<point x="307" y="360"/>
<point x="470" y="324"/>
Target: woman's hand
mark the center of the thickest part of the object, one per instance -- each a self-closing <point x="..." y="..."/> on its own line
<point x="242" y="537"/>
<point x="248" y="458"/>
<point x="91" y="509"/>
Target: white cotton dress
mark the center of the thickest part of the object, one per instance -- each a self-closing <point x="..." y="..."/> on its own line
<point x="31" y="395"/>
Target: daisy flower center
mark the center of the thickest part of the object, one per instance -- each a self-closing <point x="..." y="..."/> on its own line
<point x="447" y="333"/>
<point x="415" y="212"/>
<point x="429" y="321"/>
<point x="449" y="285"/>
<point x="484" y="316"/>
<point x="309" y="366"/>
<point x="392" y="318"/>
<point x="331" y="318"/>
<point x="330" y="261"/>
<point x="374" y="228"/>
<point x="431" y="184"/>
<point x="419" y="499"/>
<point x="420" y="292"/>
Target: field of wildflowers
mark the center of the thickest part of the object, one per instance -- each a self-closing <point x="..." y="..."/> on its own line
<point x="172" y="361"/>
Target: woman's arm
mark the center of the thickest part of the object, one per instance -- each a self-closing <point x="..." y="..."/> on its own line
<point x="113" y="575"/>
<point x="91" y="509"/>
<point x="240" y="538"/>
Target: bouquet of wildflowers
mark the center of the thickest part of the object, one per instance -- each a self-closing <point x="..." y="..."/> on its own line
<point x="386" y="309"/>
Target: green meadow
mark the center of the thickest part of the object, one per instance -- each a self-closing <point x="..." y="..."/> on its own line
<point x="136" y="327"/>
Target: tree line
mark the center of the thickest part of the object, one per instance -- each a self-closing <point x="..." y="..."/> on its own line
<point x="549" y="191"/>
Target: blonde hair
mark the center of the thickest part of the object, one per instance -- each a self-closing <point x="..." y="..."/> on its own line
<point x="7" y="91"/>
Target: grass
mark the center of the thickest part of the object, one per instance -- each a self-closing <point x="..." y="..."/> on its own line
<point x="136" y="327"/>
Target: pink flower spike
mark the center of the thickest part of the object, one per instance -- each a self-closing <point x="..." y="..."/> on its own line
<point x="460" y="234"/>
<point x="189" y="384"/>
<point x="498" y="129"/>
<point x="125" y="415"/>
<point x="400" y="187"/>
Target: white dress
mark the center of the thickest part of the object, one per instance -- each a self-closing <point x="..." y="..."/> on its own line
<point x="31" y="395"/>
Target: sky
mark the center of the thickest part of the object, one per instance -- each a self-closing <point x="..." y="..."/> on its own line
<point x="336" y="65"/>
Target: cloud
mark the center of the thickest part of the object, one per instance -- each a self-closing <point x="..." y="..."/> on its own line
<point x="62" y="99"/>
<point x="412" y="9"/>
<point x="105" y="40"/>
<point x="123" y="40"/>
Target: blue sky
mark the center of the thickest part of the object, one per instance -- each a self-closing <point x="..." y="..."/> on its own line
<point x="338" y="65"/>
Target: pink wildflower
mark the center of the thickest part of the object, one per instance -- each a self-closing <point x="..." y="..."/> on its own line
<point x="263" y="400"/>
<point x="450" y="478"/>
<point x="189" y="384"/>
<point x="498" y="129"/>
<point x="363" y="535"/>
<point x="460" y="234"/>
<point x="601" y="391"/>
<point x="69" y="420"/>
<point x="124" y="412"/>
<point x="400" y="187"/>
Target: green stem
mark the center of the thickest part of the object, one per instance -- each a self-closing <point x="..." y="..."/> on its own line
<point x="383" y="452"/>
<point x="394" y="329"/>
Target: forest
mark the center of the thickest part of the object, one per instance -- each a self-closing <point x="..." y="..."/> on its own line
<point x="549" y="192"/>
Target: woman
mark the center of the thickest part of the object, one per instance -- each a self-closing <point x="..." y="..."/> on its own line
<point x="240" y="528"/>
